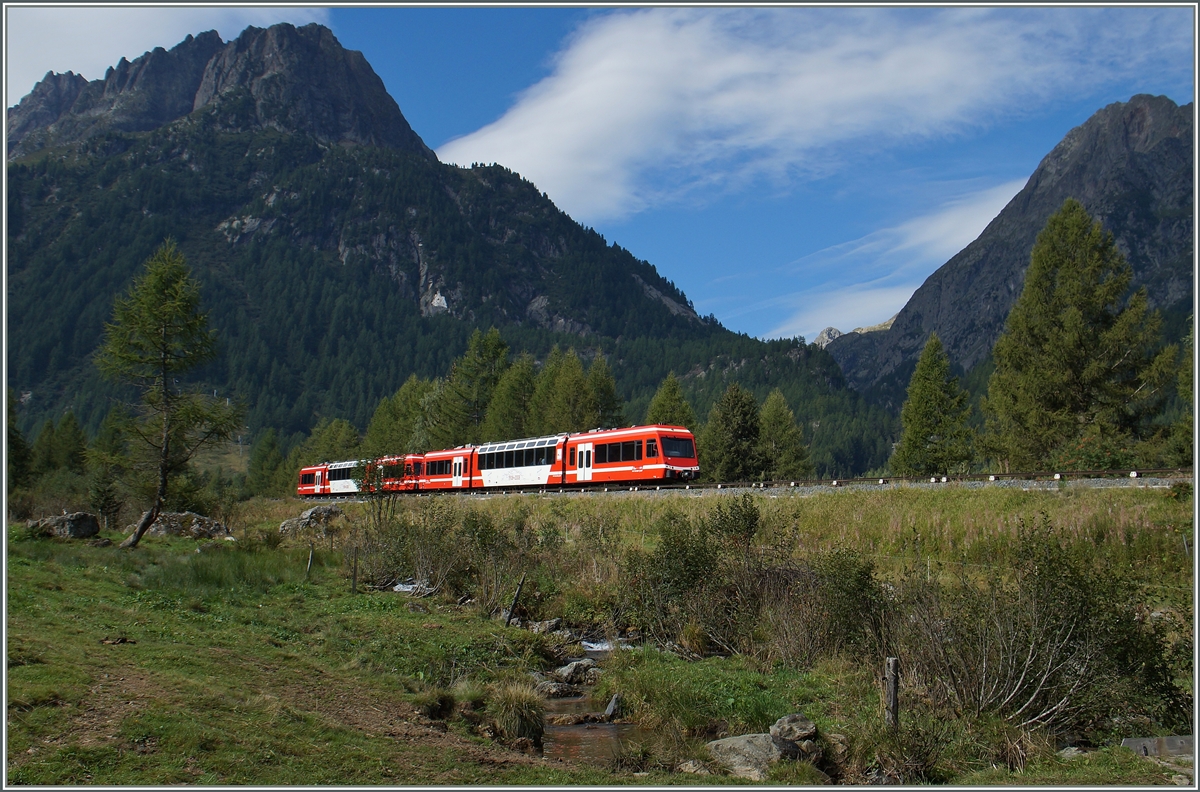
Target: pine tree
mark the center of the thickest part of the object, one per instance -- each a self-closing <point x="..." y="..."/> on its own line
<point x="1071" y="359"/>
<point x="473" y="378"/>
<point x="1180" y="448"/>
<point x="935" y="438"/>
<point x="669" y="405"/>
<point x="781" y="442"/>
<point x="572" y="407"/>
<point x="158" y="334"/>
<point x="395" y="419"/>
<point x="41" y="454"/>
<point x="610" y="410"/>
<point x="265" y="465"/>
<point x="508" y="412"/>
<point x="731" y="437"/>
<point x="543" y="393"/>
<point x="18" y="457"/>
<point x="70" y="444"/>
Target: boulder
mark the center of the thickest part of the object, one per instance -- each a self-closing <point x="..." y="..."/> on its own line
<point x="796" y="735"/>
<point x="548" y="626"/>
<point x="190" y="524"/>
<point x="80" y="525"/>
<point x="574" y="673"/>
<point x="317" y="516"/>
<point x="693" y="767"/>
<point x="747" y="756"/>
<point x="557" y="689"/>
<point x="592" y="676"/>
<point x="614" y="707"/>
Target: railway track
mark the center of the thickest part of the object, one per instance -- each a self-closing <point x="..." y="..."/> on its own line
<point x="1151" y="477"/>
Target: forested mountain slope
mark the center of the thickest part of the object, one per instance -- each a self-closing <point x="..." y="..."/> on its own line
<point x="337" y="255"/>
<point x="1130" y="165"/>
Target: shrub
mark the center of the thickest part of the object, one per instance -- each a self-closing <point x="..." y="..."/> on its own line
<point x="517" y="711"/>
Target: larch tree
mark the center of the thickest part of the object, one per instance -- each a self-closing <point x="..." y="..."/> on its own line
<point x="1076" y="357"/>
<point x="18" y="454"/>
<point x="731" y="437"/>
<point x="156" y="335"/>
<point x="669" y="405"/>
<point x="508" y="412"/>
<point x="935" y="437"/>
<point x="781" y="442"/>
<point x="609" y="408"/>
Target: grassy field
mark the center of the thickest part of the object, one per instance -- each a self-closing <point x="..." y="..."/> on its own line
<point x="184" y="662"/>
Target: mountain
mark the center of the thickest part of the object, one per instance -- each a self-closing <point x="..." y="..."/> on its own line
<point x="297" y="80"/>
<point x="337" y="256"/>
<point x="1130" y="165"/>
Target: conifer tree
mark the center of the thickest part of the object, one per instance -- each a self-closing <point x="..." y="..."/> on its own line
<point x="265" y="465"/>
<point x="157" y="335"/>
<point x="543" y="393"/>
<point x="18" y="456"/>
<point x="610" y="410"/>
<point x="731" y="437"/>
<point x="1073" y="360"/>
<point x="572" y="407"/>
<point x="781" y="442"/>
<point x="469" y="388"/>
<point x="70" y="444"/>
<point x="669" y="405"/>
<point x="42" y="452"/>
<point x="935" y="437"/>
<point x="508" y="412"/>
<point x="395" y="419"/>
<point x="1180" y="449"/>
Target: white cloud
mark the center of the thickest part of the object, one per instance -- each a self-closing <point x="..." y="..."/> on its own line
<point x="89" y="39"/>
<point x="886" y="266"/>
<point x="660" y="104"/>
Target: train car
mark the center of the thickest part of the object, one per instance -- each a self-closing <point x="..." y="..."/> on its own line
<point x="314" y="480"/>
<point x="401" y="473"/>
<point x="530" y="462"/>
<point x="330" y="478"/>
<point x="636" y="454"/>
<point x="447" y="470"/>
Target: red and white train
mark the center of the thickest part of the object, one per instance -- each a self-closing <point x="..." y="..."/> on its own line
<point x="633" y="455"/>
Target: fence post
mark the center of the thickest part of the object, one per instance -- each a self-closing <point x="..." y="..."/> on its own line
<point x="307" y="569"/>
<point x="891" y="714"/>
<point x="354" y="574"/>
<point x="516" y="596"/>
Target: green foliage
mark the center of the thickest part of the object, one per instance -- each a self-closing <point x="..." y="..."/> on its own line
<point x="730" y="441"/>
<point x="18" y="456"/>
<point x="670" y="407"/>
<point x="1075" y="353"/>
<point x="395" y="420"/>
<point x="266" y="473"/>
<point x="508" y="411"/>
<point x="459" y="415"/>
<point x="781" y="441"/>
<point x="609" y="410"/>
<point x="936" y="438"/>
<point x="1180" y="450"/>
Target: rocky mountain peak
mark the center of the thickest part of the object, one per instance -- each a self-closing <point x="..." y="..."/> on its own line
<point x="298" y="79"/>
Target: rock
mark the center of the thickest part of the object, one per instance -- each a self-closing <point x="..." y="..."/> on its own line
<point x="795" y="734"/>
<point x="574" y="673"/>
<point x="614" y="707"/>
<point x="839" y="747"/>
<point x="693" y="767"/>
<point x="747" y="756"/>
<point x="196" y="526"/>
<point x="825" y="336"/>
<point x="80" y="525"/>
<point x="575" y="718"/>
<point x="101" y="542"/>
<point x="592" y="676"/>
<point x="1069" y="753"/>
<point x="557" y="689"/>
<point x="317" y="516"/>
<point x="548" y="626"/>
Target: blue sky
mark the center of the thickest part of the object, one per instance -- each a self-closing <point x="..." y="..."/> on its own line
<point x="788" y="168"/>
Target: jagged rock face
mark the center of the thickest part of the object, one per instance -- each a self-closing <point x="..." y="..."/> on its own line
<point x="1130" y="165"/>
<point x="299" y="80"/>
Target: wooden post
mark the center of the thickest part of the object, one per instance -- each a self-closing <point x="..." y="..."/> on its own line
<point x="308" y="568"/>
<point x="354" y="574"/>
<point x="891" y="714"/>
<point x="516" y="596"/>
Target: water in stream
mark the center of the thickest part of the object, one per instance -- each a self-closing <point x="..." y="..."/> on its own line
<point x="595" y="743"/>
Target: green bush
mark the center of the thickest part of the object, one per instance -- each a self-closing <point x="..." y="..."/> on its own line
<point x="517" y="711"/>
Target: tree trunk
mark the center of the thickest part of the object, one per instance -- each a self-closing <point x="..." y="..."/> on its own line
<point x="164" y="458"/>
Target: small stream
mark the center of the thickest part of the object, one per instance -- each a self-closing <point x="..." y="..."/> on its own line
<point x="594" y="743"/>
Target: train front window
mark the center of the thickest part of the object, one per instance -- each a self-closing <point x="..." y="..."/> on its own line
<point x="417" y="467"/>
<point x="678" y="447"/>
<point x="652" y="449"/>
<point x="307" y="478"/>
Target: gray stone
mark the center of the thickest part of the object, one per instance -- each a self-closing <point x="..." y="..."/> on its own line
<point x="693" y="767"/>
<point x="574" y="673"/>
<point x="316" y="517"/>
<point x="795" y="735"/>
<point x="557" y="689"/>
<point x="1070" y="752"/>
<point x="548" y="626"/>
<point x="614" y="707"/>
<point x="592" y="676"/>
<point x="80" y="525"/>
<point x="1160" y="746"/>
<point x="190" y="524"/>
<point x="747" y="756"/>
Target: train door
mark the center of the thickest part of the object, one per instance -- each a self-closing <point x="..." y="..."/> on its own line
<point x="457" y="471"/>
<point x="585" y="462"/>
<point x="317" y="481"/>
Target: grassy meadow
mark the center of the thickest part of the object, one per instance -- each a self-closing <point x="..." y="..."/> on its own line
<point x="239" y="663"/>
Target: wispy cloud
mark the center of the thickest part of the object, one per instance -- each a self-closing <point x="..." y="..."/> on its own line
<point x="884" y="267"/>
<point x="89" y="39"/>
<point x="659" y="105"/>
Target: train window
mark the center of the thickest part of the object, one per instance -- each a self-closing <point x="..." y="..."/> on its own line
<point x="627" y="452"/>
<point x="572" y="460"/>
<point x="307" y="478"/>
<point x="637" y="449"/>
<point x="417" y="468"/>
<point x="508" y="459"/>
<point x="483" y="462"/>
<point x="542" y="457"/>
<point x="408" y="470"/>
<point x="651" y="449"/>
<point x="678" y="447"/>
<point x="602" y="453"/>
